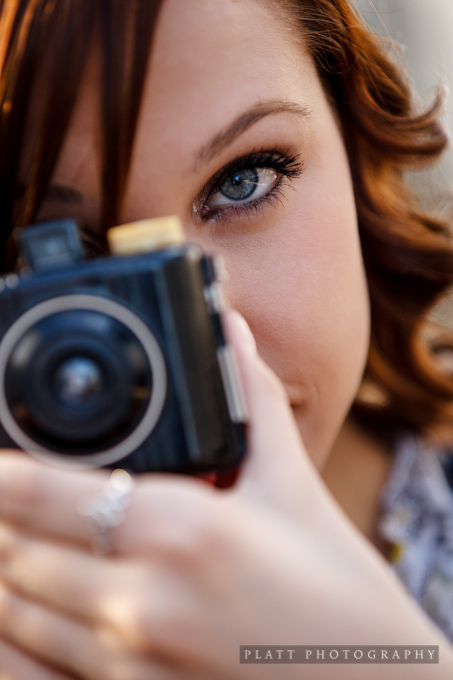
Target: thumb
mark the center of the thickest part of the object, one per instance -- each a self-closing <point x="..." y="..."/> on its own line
<point x="277" y="468"/>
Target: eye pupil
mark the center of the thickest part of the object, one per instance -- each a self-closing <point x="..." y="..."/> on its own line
<point x="240" y="185"/>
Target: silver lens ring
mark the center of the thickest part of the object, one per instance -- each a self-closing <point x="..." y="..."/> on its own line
<point x="152" y="351"/>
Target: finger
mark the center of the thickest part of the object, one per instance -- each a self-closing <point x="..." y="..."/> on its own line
<point x="277" y="467"/>
<point x="66" y="650"/>
<point x="71" y="647"/>
<point x="74" y="582"/>
<point x="125" y="596"/>
<point x="120" y="595"/>
<point x="43" y="501"/>
<point x="15" y="665"/>
<point x="33" y="495"/>
<point x="47" y="636"/>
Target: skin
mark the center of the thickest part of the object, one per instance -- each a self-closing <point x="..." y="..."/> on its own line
<point x="275" y="558"/>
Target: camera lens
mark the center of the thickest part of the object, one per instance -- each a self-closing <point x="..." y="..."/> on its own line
<point x="78" y="382"/>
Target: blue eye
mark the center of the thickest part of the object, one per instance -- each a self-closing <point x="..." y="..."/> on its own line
<point x="246" y="184"/>
<point x="241" y="186"/>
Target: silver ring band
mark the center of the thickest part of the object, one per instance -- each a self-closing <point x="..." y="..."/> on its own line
<point x="107" y="511"/>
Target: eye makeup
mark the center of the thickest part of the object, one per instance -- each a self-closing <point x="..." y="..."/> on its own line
<point x="242" y="187"/>
<point x="233" y="190"/>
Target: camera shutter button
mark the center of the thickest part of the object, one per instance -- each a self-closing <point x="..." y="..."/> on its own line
<point x="145" y="236"/>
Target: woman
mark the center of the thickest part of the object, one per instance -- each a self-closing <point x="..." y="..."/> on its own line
<point x="273" y="130"/>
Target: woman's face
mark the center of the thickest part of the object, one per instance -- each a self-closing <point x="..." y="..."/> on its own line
<point x="237" y="138"/>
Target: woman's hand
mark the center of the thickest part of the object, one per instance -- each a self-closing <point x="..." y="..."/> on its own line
<point x="197" y="571"/>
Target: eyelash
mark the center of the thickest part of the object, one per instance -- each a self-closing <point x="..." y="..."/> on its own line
<point x="288" y="166"/>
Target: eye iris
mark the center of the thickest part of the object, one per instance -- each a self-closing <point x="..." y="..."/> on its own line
<point x="240" y="185"/>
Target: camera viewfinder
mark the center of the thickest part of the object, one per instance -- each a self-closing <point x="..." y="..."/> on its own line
<point x="50" y="244"/>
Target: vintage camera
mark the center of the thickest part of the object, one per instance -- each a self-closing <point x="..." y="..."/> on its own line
<point x="118" y="361"/>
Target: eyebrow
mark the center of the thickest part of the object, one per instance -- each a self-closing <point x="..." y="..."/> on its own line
<point x="243" y="122"/>
<point x="58" y="193"/>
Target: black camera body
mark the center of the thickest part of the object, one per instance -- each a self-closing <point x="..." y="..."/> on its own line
<point x="117" y="361"/>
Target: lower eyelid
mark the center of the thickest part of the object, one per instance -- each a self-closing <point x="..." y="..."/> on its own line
<point x="272" y="181"/>
<point x="253" y="206"/>
<point x="288" y="166"/>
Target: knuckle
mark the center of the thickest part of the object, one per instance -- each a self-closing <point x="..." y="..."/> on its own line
<point x="130" y="612"/>
<point x="142" y="621"/>
<point x="155" y="622"/>
<point x="138" y="618"/>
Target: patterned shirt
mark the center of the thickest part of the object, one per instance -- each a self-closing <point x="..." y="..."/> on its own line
<point x="417" y="521"/>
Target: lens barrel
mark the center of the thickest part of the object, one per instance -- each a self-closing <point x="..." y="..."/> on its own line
<point x="78" y="382"/>
<point x="82" y="379"/>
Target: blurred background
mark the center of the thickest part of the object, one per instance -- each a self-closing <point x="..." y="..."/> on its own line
<point x="424" y="29"/>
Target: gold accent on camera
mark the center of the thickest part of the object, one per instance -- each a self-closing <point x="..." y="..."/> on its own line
<point x="145" y="235"/>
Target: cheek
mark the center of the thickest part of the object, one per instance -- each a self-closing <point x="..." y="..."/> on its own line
<point x="301" y="286"/>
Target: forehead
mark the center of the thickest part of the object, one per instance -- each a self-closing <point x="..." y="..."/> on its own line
<point x="225" y="50"/>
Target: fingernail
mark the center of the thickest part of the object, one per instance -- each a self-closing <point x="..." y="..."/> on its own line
<point x="243" y="331"/>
